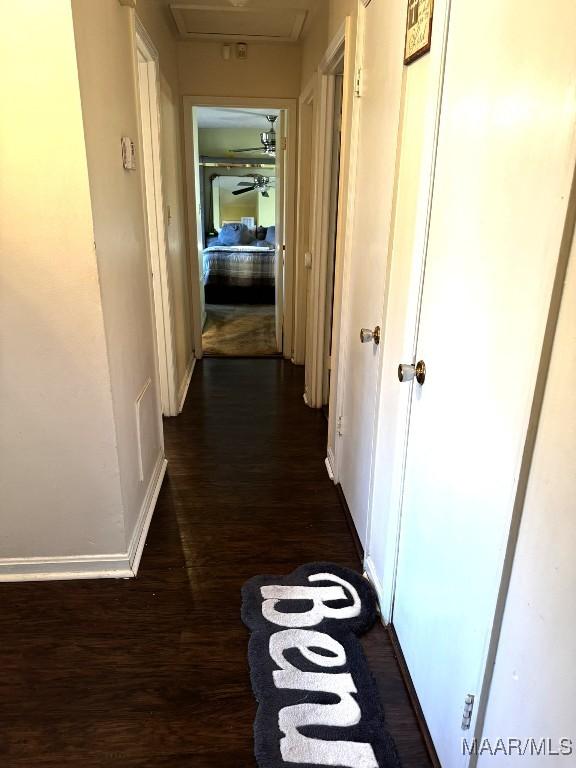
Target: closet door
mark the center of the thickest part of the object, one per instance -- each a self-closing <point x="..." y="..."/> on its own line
<point x="505" y="162"/>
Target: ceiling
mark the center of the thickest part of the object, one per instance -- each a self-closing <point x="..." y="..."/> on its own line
<point x="242" y="20"/>
<point x="222" y="117"/>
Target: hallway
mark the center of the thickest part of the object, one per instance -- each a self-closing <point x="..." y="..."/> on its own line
<point x="152" y="672"/>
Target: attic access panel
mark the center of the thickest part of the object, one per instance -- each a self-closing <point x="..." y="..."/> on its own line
<point x="208" y="22"/>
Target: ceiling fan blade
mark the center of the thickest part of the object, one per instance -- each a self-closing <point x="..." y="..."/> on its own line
<point x="245" y="184"/>
<point x="243" y="191"/>
<point x="246" y="149"/>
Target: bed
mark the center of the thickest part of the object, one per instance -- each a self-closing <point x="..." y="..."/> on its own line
<point x="234" y="271"/>
<point x="240" y="266"/>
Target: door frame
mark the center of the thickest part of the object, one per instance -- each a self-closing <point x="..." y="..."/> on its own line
<point x="291" y="108"/>
<point x="332" y="233"/>
<point x="156" y="225"/>
<point x="321" y="93"/>
<point x="351" y="98"/>
<point x="305" y="213"/>
<point x="279" y="247"/>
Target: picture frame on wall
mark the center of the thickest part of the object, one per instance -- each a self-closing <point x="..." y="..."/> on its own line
<point x="418" y="29"/>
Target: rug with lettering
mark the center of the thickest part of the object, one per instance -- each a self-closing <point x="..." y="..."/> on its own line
<point x="318" y="702"/>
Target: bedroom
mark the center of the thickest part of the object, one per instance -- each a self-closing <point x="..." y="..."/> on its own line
<point x="237" y="241"/>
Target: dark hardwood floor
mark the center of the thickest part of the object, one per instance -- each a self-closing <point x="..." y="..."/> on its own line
<point x="151" y="672"/>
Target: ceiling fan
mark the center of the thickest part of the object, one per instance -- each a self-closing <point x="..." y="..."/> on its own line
<point x="268" y="139"/>
<point x="261" y="183"/>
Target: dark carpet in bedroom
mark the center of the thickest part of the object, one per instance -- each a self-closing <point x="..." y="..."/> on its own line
<point x="243" y="330"/>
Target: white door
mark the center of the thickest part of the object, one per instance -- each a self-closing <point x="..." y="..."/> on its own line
<point x="506" y="155"/>
<point x="280" y="249"/>
<point x="363" y="292"/>
<point x="150" y="133"/>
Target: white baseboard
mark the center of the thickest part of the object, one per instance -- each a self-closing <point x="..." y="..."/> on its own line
<point x="123" y="565"/>
<point x="330" y="465"/>
<point x="145" y="517"/>
<point x="375" y="581"/>
<point x="185" y="384"/>
<point x="60" y="568"/>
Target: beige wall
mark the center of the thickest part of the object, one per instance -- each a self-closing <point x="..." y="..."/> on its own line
<point x="105" y="52"/>
<point x="325" y="21"/>
<point x="270" y="70"/>
<point x="315" y="41"/>
<point x="59" y="484"/>
<point x="217" y="142"/>
<point x="159" y="26"/>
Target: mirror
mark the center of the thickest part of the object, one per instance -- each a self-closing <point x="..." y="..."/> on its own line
<point x="227" y="207"/>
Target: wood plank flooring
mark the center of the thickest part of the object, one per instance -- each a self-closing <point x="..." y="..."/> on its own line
<point x="151" y="672"/>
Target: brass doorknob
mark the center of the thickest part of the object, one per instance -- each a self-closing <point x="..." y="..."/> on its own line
<point x="367" y="335"/>
<point x="407" y="372"/>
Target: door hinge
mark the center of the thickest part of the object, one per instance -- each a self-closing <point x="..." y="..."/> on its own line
<point x="467" y="714"/>
<point x="339" y="426"/>
<point x="358" y="83"/>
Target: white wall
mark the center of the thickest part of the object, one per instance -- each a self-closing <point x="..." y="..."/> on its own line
<point x="59" y="476"/>
<point x="535" y="675"/>
<point x="106" y="66"/>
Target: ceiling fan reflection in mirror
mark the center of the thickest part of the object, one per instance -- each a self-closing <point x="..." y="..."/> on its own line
<point x="268" y="139"/>
<point x="261" y="183"/>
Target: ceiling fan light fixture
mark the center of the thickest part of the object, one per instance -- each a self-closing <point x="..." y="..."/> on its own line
<point x="267" y="138"/>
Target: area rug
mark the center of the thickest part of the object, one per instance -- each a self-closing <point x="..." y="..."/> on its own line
<point x="318" y="702"/>
<point x="243" y="330"/>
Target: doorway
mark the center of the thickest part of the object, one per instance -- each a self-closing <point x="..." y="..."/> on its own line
<point x="328" y="131"/>
<point x="240" y="190"/>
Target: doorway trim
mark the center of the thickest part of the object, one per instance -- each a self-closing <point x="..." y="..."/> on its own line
<point x="305" y="213"/>
<point x="190" y="140"/>
<point x="156" y="227"/>
<point x="322" y="94"/>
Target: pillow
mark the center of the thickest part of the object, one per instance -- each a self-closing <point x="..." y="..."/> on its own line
<point x="258" y="243"/>
<point x="261" y="233"/>
<point x="231" y="234"/>
<point x="212" y="241"/>
<point x="271" y="235"/>
<point x="247" y="235"/>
